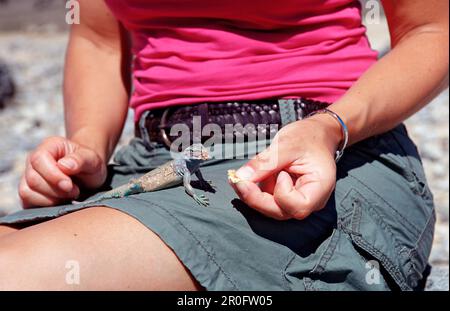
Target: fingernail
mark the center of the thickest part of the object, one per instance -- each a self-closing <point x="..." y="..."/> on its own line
<point x="65" y="185"/>
<point x="241" y="187"/>
<point x="68" y="163"/>
<point x="281" y="177"/>
<point x="245" y="173"/>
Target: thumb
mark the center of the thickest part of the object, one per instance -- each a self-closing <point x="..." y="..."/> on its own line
<point x="265" y="164"/>
<point x="80" y="161"/>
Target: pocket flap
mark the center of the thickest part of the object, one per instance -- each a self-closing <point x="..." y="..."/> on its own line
<point x="371" y="233"/>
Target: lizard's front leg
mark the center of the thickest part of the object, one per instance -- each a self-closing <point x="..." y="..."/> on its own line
<point x="200" y="199"/>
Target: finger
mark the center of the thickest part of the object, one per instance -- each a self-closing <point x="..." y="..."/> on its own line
<point x="266" y="163"/>
<point x="31" y="198"/>
<point x="263" y="202"/>
<point x="38" y="184"/>
<point x="82" y="161"/>
<point x="301" y="199"/>
<point x="293" y="201"/>
<point x="44" y="164"/>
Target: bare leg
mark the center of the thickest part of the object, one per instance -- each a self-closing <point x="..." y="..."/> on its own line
<point x="112" y="250"/>
<point x="4" y="230"/>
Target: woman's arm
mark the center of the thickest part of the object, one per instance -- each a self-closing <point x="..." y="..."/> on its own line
<point x="394" y="88"/>
<point x="97" y="79"/>
<point x="96" y="90"/>
<point x="407" y="78"/>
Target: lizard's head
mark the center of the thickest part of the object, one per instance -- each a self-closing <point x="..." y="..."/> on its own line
<point x="196" y="152"/>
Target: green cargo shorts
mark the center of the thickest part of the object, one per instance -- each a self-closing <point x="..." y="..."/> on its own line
<point x="375" y="233"/>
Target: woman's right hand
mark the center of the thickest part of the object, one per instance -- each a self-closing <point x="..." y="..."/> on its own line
<point x="57" y="169"/>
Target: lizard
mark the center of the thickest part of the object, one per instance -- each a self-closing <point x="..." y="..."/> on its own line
<point x="172" y="173"/>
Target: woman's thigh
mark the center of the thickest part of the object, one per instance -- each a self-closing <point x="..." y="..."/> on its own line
<point x="97" y="248"/>
<point x="4" y="230"/>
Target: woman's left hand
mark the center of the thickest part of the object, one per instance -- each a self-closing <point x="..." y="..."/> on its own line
<point x="296" y="175"/>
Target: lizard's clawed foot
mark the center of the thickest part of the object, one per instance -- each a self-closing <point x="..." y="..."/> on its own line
<point x="202" y="200"/>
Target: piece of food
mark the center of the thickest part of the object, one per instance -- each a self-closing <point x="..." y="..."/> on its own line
<point x="232" y="177"/>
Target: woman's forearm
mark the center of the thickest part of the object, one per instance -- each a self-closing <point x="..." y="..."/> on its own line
<point x="400" y="84"/>
<point x="96" y="88"/>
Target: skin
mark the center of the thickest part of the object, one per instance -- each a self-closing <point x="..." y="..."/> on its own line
<point x="124" y="255"/>
<point x="287" y="180"/>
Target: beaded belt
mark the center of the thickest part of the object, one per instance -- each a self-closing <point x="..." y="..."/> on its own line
<point x="270" y="115"/>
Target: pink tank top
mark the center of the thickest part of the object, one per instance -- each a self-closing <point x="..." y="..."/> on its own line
<point x="190" y="51"/>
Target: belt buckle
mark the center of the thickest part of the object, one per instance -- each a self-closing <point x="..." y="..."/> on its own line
<point x="162" y="125"/>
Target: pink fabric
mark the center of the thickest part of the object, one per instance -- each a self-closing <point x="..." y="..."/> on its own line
<point x="190" y="51"/>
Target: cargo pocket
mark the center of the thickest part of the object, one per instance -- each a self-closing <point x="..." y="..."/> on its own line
<point x="397" y="152"/>
<point x="402" y="260"/>
<point x="342" y="267"/>
<point x="365" y="252"/>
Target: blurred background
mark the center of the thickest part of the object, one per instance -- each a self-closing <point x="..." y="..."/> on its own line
<point x="33" y="37"/>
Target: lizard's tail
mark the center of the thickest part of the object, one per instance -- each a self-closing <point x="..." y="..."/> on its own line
<point x="123" y="191"/>
<point x="116" y="193"/>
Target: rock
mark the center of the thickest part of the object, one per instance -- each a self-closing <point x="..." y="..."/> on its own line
<point x="440" y="250"/>
<point x="432" y="151"/>
<point x="6" y="164"/>
<point x="32" y="14"/>
<point x="7" y="88"/>
<point x="438" y="279"/>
